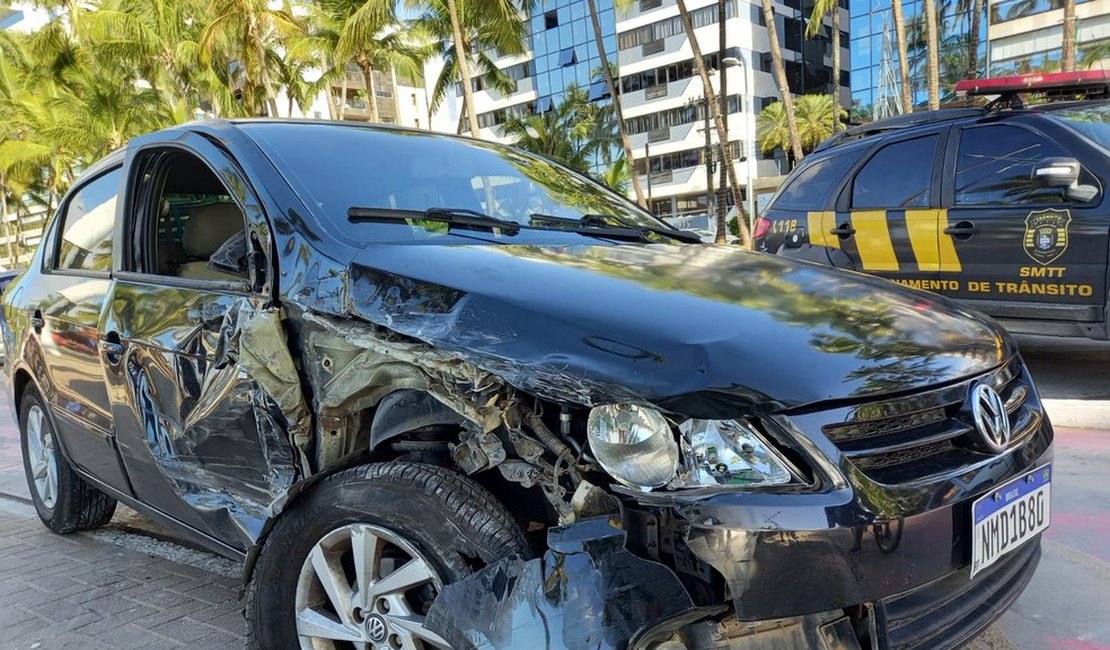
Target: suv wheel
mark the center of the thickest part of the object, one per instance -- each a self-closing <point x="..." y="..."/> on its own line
<point x="65" y="502"/>
<point x="359" y="561"/>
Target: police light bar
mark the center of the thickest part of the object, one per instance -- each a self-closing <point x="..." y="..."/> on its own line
<point x="1055" y="82"/>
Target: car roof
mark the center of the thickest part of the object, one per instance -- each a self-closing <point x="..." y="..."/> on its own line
<point x="922" y="119"/>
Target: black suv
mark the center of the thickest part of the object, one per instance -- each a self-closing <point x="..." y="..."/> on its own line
<point x="1002" y="208"/>
<point x="438" y="392"/>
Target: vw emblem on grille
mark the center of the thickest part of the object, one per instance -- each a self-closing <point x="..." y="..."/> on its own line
<point x="376" y="628"/>
<point x="991" y="418"/>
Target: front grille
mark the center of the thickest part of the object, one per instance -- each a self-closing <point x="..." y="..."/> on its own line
<point x="947" y="612"/>
<point x="912" y="438"/>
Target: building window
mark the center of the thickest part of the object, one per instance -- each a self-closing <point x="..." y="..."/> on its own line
<point x="543" y="105"/>
<point x="672" y="26"/>
<point x="674" y="117"/>
<point x="551" y="20"/>
<point x="598" y="90"/>
<point x="568" y="57"/>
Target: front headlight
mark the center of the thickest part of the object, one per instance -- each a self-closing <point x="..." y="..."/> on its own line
<point x="634" y="444"/>
<point x="729" y="453"/>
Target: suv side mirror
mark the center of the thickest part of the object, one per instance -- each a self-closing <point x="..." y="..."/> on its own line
<point x="1056" y="172"/>
<point x="1064" y="174"/>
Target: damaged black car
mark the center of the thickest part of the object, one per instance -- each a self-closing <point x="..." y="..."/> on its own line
<point x="435" y="392"/>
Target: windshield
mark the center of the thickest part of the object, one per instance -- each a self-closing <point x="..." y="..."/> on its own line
<point x="335" y="169"/>
<point x="1091" y="121"/>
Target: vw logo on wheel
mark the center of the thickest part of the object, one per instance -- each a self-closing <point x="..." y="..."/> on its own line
<point x="376" y="628"/>
<point x="991" y="419"/>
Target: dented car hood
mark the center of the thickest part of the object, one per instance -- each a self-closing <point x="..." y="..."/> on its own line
<point x="704" y="331"/>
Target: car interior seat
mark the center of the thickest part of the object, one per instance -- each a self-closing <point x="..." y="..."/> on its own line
<point x="207" y="229"/>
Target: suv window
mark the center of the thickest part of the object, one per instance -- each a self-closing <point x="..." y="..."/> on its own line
<point x="193" y="229"/>
<point x="810" y="189"/>
<point x="87" y="225"/>
<point x="995" y="163"/>
<point x="900" y="175"/>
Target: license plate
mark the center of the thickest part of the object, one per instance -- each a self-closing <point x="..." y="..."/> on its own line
<point x="1009" y="515"/>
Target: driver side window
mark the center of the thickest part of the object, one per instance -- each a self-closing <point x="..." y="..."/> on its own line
<point x="994" y="166"/>
<point x="194" y="229"/>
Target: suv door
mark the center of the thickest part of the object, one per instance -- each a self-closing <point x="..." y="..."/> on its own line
<point x="888" y="219"/>
<point x="199" y="440"/>
<point x="1026" y="250"/>
<point x="65" y="308"/>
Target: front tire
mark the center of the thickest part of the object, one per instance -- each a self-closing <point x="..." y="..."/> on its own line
<point x="65" y="502"/>
<point x="360" y="560"/>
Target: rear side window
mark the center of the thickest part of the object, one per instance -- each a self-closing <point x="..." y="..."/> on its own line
<point x="87" y="226"/>
<point x="900" y="175"/>
<point x="810" y="189"/>
<point x="994" y="166"/>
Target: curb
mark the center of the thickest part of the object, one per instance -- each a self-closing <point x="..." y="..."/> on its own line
<point x="1079" y="413"/>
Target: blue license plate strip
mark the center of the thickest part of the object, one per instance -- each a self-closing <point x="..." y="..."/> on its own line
<point x="1006" y="517"/>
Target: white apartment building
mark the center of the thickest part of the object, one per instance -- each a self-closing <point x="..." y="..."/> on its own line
<point x="1028" y="35"/>
<point x="660" y="91"/>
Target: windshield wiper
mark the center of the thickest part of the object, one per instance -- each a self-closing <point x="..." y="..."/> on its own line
<point x="449" y="216"/>
<point x="601" y="225"/>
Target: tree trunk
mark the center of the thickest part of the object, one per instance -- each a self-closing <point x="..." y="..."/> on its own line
<point x="371" y="96"/>
<point x="462" y="52"/>
<point x="836" y="65"/>
<point x="333" y="110"/>
<point x="973" y="39"/>
<point x="722" y="173"/>
<point x="932" y="62"/>
<point x="1068" y="64"/>
<point x="780" y="77"/>
<point x="12" y="257"/>
<point x="712" y="107"/>
<point x="903" y="56"/>
<point x="615" y="98"/>
<point x="343" y="98"/>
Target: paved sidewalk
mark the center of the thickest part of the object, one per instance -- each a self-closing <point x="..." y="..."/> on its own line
<point x="92" y="591"/>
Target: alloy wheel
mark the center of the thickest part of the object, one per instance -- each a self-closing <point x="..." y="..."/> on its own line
<point x="365" y="587"/>
<point x="43" y="457"/>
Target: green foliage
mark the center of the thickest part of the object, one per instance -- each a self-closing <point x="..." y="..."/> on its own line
<point x="572" y="132"/>
<point x="814" y="115"/>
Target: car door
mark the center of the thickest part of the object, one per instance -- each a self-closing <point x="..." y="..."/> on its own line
<point x="888" y="216"/>
<point x="200" y="441"/>
<point x="1027" y="251"/>
<point x="65" y="308"/>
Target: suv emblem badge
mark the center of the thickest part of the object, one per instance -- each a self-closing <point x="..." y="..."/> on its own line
<point x="1046" y="234"/>
<point x="990" y="416"/>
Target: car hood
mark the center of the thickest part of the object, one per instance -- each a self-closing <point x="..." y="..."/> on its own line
<point x="703" y="330"/>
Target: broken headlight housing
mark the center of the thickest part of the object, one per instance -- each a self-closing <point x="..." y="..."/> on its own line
<point x="637" y="447"/>
<point x="727" y="453"/>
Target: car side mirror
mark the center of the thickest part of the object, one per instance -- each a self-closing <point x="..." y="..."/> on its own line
<point x="1064" y="174"/>
<point x="1056" y="172"/>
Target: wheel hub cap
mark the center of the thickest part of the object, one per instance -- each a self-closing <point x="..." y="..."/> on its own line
<point x="42" y="457"/>
<point x="377" y="629"/>
<point x="368" y="587"/>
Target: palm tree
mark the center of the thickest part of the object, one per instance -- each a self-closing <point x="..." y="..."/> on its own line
<point x="617" y="176"/>
<point x="573" y="132"/>
<point x="713" y="107"/>
<point x="370" y="35"/>
<point x="607" y="73"/>
<point x="493" y="24"/>
<point x="816" y="114"/>
<point x="484" y="26"/>
<point x="822" y="8"/>
<point x="780" y="78"/>
<point x="1069" y="36"/>
<point x="235" y="41"/>
<point x="932" y="66"/>
<point x="903" y="56"/>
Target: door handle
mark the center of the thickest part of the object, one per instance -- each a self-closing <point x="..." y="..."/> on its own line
<point x="962" y="230"/>
<point x="112" y="348"/>
<point x="37" y="321"/>
<point x="843" y="230"/>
